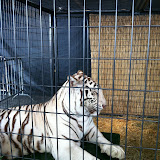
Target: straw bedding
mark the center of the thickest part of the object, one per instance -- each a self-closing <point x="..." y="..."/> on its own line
<point x="134" y="130"/>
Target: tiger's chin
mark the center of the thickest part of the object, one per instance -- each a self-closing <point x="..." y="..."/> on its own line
<point x="95" y="112"/>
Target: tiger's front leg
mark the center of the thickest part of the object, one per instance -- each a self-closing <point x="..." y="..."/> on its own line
<point x="68" y="149"/>
<point x="114" y="151"/>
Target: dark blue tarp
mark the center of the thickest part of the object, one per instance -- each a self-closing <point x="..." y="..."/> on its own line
<point x="16" y="44"/>
<point x="37" y="49"/>
<point x="75" y="62"/>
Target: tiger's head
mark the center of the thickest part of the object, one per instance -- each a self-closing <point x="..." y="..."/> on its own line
<point x="86" y="92"/>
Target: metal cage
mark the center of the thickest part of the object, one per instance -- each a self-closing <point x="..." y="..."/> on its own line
<point x="115" y="42"/>
<point x="9" y="84"/>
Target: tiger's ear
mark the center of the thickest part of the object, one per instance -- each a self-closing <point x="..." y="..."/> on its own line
<point x="72" y="80"/>
<point x="80" y="72"/>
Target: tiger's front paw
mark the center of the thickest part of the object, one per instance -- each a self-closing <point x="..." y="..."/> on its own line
<point x="114" y="151"/>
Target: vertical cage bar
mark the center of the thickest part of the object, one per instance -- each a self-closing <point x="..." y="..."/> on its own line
<point x="1" y="86"/>
<point x="21" y="72"/>
<point x="158" y="126"/>
<point x="17" y="25"/>
<point x="69" y="68"/>
<point x="19" y="75"/>
<point x="56" y="68"/>
<point x="1" y="29"/>
<point x="114" y="61"/>
<point x="42" y="58"/>
<point x="88" y="45"/>
<point x="51" y="52"/>
<point x="9" y="19"/>
<point x="11" y="76"/>
<point x="16" y="68"/>
<point x="84" y="20"/>
<point x="8" y="75"/>
<point x="129" y="80"/>
<point x="99" y="50"/>
<point x="29" y="61"/>
<point x="3" y="82"/>
<point x="146" y="75"/>
<point x="4" y="88"/>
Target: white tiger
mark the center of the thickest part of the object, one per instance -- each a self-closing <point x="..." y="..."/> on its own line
<point x="68" y="125"/>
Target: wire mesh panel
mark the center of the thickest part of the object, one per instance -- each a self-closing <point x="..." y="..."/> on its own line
<point x="91" y="70"/>
<point x="9" y="84"/>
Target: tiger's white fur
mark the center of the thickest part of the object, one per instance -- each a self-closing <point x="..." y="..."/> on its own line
<point x="67" y="125"/>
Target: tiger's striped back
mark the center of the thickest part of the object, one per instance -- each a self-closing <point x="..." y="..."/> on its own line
<point x="18" y="125"/>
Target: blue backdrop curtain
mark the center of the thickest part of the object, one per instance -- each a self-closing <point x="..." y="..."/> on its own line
<point x="37" y="49"/>
<point x="77" y="61"/>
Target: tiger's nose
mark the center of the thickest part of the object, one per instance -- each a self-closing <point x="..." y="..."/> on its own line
<point x="104" y="106"/>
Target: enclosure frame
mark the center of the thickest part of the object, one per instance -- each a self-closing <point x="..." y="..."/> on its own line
<point x="53" y="65"/>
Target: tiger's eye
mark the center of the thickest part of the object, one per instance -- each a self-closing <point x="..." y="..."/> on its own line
<point x="94" y="93"/>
